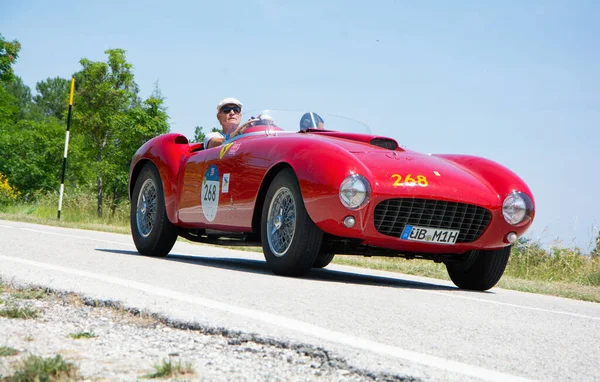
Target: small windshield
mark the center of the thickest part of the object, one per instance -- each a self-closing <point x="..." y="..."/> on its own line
<point x="308" y="120"/>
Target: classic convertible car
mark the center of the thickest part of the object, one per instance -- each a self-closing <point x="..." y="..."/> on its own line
<point x="307" y="194"/>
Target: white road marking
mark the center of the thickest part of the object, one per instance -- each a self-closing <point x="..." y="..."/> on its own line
<point x="513" y="305"/>
<point x="76" y="237"/>
<point x="289" y="323"/>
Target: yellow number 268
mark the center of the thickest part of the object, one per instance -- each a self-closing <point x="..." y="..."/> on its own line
<point x="421" y="180"/>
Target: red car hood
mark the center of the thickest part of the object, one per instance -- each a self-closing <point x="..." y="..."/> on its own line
<point x="407" y="173"/>
<point x="430" y="176"/>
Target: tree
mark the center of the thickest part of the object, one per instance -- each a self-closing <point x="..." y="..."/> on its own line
<point x="596" y="251"/>
<point x="31" y="155"/>
<point x="9" y="52"/>
<point x="199" y="134"/>
<point x="53" y="97"/>
<point x="114" y="121"/>
<point x="9" y="107"/>
<point x="21" y="95"/>
<point x="141" y="123"/>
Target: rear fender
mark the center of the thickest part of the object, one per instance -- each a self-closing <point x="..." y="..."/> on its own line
<point x="167" y="152"/>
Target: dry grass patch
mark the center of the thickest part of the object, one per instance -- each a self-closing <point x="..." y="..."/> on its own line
<point x="169" y="369"/>
<point x="6" y="351"/>
<point x="20" y="312"/>
<point x="34" y="368"/>
<point x="30" y="294"/>
<point x="82" y="334"/>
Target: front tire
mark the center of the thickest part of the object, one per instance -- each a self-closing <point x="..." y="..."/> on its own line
<point x="290" y="240"/>
<point x="153" y="234"/>
<point x="481" y="270"/>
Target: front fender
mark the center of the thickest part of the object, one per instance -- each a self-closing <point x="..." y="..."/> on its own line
<point x="498" y="177"/>
<point x="320" y="168"/>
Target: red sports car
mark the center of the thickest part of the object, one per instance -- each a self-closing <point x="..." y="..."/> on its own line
<point x="308" y="188"/>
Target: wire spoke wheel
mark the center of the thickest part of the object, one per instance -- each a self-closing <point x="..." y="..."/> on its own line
<point x="146" y="208"/>
<point x="290" y="239"/>
<point x="281" y="223"/>
<point x="153" y="234"/>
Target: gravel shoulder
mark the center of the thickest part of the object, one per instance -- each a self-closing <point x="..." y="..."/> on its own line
<point x="127" y="345"/>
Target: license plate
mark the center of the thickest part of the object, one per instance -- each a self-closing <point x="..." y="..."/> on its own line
<point x="430" y="235"/>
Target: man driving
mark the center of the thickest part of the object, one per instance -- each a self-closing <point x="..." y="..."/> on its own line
<point x="229" y="114"/>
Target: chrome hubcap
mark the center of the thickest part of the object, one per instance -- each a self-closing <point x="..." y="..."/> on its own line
<point x="146" y="208"/>
<point x="281" y="222"/>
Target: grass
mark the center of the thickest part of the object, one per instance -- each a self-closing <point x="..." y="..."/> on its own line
<point x="559" y="271"/>
<point x="78" y="211"/>
<point x="169" y="369"/>
<point x="30" y="294"/>
<point x="82" y="334"/>
<point x="6" y="351"/>
<point x="21" y="312"/>
<point x="35" y="368"/>
<point x="91" y="224"/>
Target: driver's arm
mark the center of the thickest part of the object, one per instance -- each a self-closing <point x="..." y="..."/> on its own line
<point x="217" y="139"/>
<point x="213" y="139"/>
<point x="214" y="142"/>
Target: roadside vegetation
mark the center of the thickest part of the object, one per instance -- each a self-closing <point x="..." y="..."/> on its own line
<point x="170" y="369"/>
<point x="35" y="368"/>
<point x="20" y="312"/>
<point x="84" y="334"/>
<point x="7" y="351"/>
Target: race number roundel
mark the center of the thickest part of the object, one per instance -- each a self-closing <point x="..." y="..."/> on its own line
<point x="210" y="193"/>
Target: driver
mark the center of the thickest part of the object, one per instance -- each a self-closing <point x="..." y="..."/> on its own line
<point x="311" y="121"/>
<point x="229" y="113"/>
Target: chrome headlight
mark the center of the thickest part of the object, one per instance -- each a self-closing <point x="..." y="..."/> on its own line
<point x="355" y="191"/>
<point x="517" y="208"/>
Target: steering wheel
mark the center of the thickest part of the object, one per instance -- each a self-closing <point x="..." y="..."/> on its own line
<point x="267" y="120"/>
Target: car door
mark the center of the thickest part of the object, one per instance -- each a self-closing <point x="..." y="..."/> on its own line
<point x="220" y="185"/>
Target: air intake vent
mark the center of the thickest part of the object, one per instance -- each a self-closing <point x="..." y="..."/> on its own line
<point x="393" y="214"/>
<point x="389" y="144"/>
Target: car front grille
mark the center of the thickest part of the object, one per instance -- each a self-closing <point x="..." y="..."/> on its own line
<point x="393" y="214"/>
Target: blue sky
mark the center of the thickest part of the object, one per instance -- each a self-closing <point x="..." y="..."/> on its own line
<point x="514" y="81"/>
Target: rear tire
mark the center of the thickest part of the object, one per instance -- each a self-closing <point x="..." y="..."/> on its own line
<point x="481" y="270"/>
<point x="290" y="240"/>
<point x="153" y="234"/>
<point x="323" y="259"/>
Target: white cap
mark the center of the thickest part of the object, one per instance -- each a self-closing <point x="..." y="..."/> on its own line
<point x="228" y="101"/>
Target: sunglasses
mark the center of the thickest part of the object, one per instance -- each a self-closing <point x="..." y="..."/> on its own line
<point x="227" y="109"/>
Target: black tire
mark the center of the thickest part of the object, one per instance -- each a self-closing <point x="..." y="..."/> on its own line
<point x="153" y="234"/>
<point x="287" y="257"/>
<point x="323" y="259"/>
<point x="481" y="270"/>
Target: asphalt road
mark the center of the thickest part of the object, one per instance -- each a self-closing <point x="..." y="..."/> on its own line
<point x="379" y="321"/>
